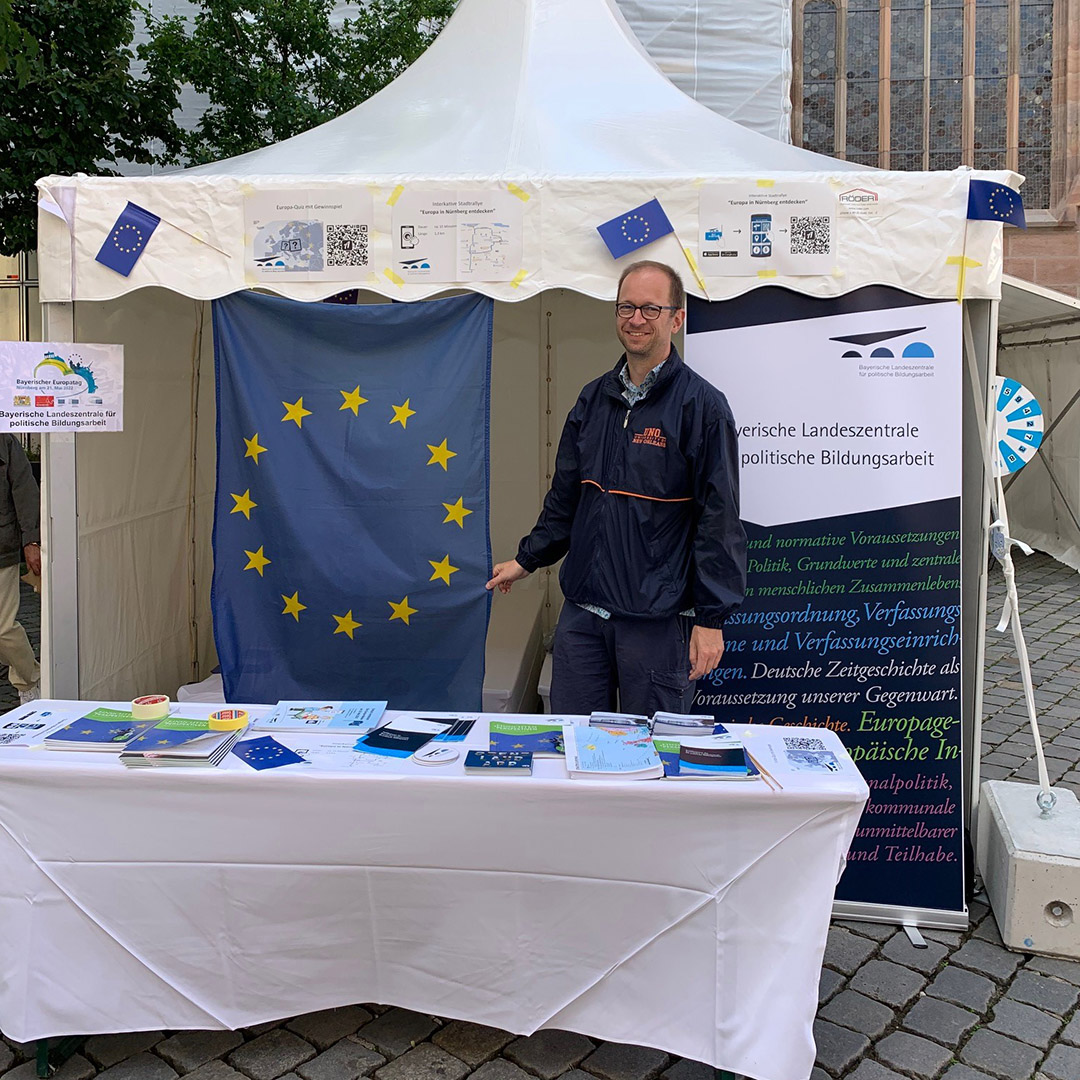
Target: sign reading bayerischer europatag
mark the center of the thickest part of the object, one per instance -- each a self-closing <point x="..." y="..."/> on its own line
<point x="57" y="386"/>
<point x="849" y="438"/>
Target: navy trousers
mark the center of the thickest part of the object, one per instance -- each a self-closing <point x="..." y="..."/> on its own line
<point x="637" y="666"/>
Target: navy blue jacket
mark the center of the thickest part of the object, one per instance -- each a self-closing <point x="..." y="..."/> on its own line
<point x="644" y="503"/>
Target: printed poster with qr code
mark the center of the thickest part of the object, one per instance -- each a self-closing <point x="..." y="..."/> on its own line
<point x="745" y="228"/>
<point x="457" y="235"/>
<point x="308" y="234"/>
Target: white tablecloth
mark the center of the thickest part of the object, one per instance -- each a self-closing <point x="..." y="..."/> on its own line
<point x="687" y="916"/>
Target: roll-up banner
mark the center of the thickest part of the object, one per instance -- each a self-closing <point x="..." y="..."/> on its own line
<point x="849" y="419"/>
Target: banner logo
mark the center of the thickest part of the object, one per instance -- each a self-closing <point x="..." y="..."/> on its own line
<point x="913" y="350"/>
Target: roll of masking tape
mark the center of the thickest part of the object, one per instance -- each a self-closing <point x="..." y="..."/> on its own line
<point x="228" y="719"/>
<point x="151" y="707"/>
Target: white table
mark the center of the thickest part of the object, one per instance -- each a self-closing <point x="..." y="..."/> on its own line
<point x="687" y="916"/>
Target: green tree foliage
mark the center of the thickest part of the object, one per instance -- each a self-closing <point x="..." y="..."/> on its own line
<point x="274" y="68"/>
<point x="71" y="102"/>
<point x="17" y="47"/>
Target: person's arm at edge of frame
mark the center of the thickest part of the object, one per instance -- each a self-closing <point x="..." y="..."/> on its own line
<point x="549" y="540"/>
<point x="27" y="501"/>
<point x="719" y="544"/>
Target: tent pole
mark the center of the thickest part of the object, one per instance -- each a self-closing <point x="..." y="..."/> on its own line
<point x="59" y="539"/>
<point x="981" y="338"/>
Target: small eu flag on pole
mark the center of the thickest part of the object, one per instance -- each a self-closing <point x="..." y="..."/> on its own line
<point x="634" y="229"/>
<point x="128" y="237"/>
<point x="991" y="201"/>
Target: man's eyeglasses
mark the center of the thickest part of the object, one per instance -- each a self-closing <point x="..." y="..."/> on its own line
<point x="648" y="311"/>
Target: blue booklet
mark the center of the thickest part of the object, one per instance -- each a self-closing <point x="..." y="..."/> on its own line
<point x="504" y="763"/>
<point x="717" y="757"/>
<point x="102" y="729"/>
<point x="543" y="737"/>
<point x="403" y="735"/>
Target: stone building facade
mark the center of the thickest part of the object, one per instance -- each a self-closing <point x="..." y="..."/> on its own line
<point x="933" y="84"/>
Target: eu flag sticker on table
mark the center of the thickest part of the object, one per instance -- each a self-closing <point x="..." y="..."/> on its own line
<point x="351" y="520"/>
<point x="266" y="753"/>
<point x="634" y="229"/>
<point x="991" y="201"/>
<point x="127" y="239"/>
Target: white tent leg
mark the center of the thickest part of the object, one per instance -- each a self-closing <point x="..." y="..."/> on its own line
<point x="59" y="540"/>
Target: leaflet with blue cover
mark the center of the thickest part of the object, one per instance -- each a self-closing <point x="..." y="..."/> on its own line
<point x="170" y="732"/>
<point x="706" y="757"/>
<point x="403" y="735"/>
<point x="102" y="729"/>
<point x="541" y="738"/>
<point x="457" y="731"/>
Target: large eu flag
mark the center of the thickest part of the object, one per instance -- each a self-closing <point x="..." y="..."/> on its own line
<point x="351" y="523"/>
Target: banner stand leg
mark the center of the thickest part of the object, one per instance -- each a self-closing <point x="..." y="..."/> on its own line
<point x="914" y="936"/>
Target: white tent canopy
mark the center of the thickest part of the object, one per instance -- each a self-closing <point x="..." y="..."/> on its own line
<point x="556" y="100"/>
<point x="554" y="97"/>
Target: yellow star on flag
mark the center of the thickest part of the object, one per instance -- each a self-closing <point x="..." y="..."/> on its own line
<point x="353" y="401"/>
<point x="244" y="504"/>
<point x="456" y="512"/>
<point x="401" y="611"/>
<point x="440" y="455"/>
<point x="295" y="411"/>
<point x="293" y="606"/>
<point x="257" y="560"/>
<point x="346" y="624"/>
<point x="253" y="448"/>
<point x="442" y="569"/>
<point x="402" y="413"/>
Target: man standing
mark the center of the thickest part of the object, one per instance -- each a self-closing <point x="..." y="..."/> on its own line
<point x="20" y="516"/>
<point x="644" y="504"/>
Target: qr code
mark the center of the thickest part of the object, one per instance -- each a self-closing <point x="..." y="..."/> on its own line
<point x="9" y="737"/>
<point x="811" y="235"/>
<point x="798" y="742"/>
<point x="346" y="245"/>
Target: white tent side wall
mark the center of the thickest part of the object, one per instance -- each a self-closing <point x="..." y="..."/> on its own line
<point x="145" y="503"/>
<point x="1040" y="347"/>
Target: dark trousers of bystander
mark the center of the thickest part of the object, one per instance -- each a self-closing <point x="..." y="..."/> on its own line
<point x="639" y="666"/>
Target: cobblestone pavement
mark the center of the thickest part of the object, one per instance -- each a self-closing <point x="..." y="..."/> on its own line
<point x="964" y="1008"/>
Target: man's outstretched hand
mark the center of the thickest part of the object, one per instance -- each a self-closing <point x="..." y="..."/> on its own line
<point x="504" y="575"/>
<point x="706" y="648"/>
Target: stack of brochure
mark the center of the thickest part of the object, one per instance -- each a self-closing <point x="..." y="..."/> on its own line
<point x="179" y="741"/>
<point x="103" y="729"/>
<point x="601" y="753"/>
<point x="705" y="757"/>
<point x="666" y="723"/>
<point x="617" y="720"/>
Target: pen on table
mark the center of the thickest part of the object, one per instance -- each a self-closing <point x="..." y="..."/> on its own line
<point x="767" y="776"/>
